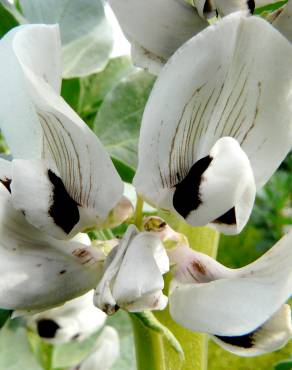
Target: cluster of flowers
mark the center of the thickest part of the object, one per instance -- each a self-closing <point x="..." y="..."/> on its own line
<point x="215" y="128"/>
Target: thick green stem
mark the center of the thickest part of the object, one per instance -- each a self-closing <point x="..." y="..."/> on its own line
<point x="139" y="213"/>
<point x="195" y="345"/>
<point x="149" y="347"/>
<point x="153" y="351"/>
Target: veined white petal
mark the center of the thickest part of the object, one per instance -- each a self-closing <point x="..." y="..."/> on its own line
<point x="36" y="48"/>
<point x="230" y="80"/>
<point x="75" y="320"/>
<point x="53" y="131"/>
<point x="37" y="271"/>
<point x="284" y="21"/>
<point x="105" y="352"/>
<point x="133" y="272"/>
<point x="210" y="298"/>
<point x="156" y="29"/>
<point x="271" y="336"/>
<point x="219" y="189"/>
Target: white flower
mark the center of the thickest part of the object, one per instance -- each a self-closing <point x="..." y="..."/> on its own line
<point x="75" y="320"/>
<point x="37" y="270"/>
<point x="62" y="179"/>
<point x="156" y="29"/>
<point x="217" y="123"/>
<point x="242" y="308"/>
<point x="132" y="277"/>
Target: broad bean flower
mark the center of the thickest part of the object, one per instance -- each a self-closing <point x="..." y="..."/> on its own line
<point x="217" y="123"/>
<point x="156" y="29"/>
<point x="77" y="319"/>
<point x="61" y="177"/>
<point x="242" y="309"/>
<point x="132" y="278"/>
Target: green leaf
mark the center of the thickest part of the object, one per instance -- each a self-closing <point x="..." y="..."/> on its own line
<point x="85" y="32"/>
<point x="118" y="121"/>
<point x="8" y="21"/>
<point x="284" y="365"/>
<point x="121" y="322"/>
<point x="4" y="316"/>
<point x="151" y="322"/>
<point x="86" y="94"/>
<point x="15" y="351"/>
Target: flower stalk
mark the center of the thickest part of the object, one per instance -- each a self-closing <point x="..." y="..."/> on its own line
<point x="153" y="351"/>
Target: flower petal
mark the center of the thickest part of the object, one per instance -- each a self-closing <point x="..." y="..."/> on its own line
<point x="219" y="188"/>
<point x="75" y="320"/>
<point x="220" y="83"/>
<point x="232" y="302"/>
<point x="54" y="132"/>
<point x="271" y="336"/>
<point x="156" y="29"/>
<point x="38" y="271"/>
<point x="133" y="272"/>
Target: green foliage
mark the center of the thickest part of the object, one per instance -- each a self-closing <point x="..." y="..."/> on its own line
<point x="15" y="351"/>
<point x="8" y="21"/>
<point x="85" y="32"/>
<point x="4" y="316"/>
<point x="270" y="7"/>
<point x="284" y="365"/>
<point x="122" y="323"/>
<point x="86" y="94"/>
<point x="118" y="121"/>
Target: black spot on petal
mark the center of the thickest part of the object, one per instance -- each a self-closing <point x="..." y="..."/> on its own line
<point x="64" y="209"/>
<point x="229" y="218"/>
<point x="208" y="7"/>
<point x="47" y="328"/>
<point x="251" y="5"/>
<point x="244" y="341"/>
<point x="6" y="182"/>
<point x="186" y="197"/>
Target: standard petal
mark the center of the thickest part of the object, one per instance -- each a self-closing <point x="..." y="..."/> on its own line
<point x="75" y="320"/>
<point x="219" y="189"/>
<point x="229" y="302"/>
<point x="271" y="336"/>
<point x="52" y="131"/>
<point x="230" y="80"/>
<point x="156" y="29"/>
<point x="38" y="271"/>
<point x="284" y="21"/>
<point x="26" y="48"/>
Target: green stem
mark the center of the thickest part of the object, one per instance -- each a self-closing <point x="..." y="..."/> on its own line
<point x="195" y="345"/>
<point x="149" y="347"/>
<point x="139" y="213"/>
<point x="155" y="352"/>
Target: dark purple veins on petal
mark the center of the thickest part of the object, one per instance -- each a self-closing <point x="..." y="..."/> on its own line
<point x="64" y="210"/>
<point x="186" y="197"/>
<point x="47" y="328"/>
